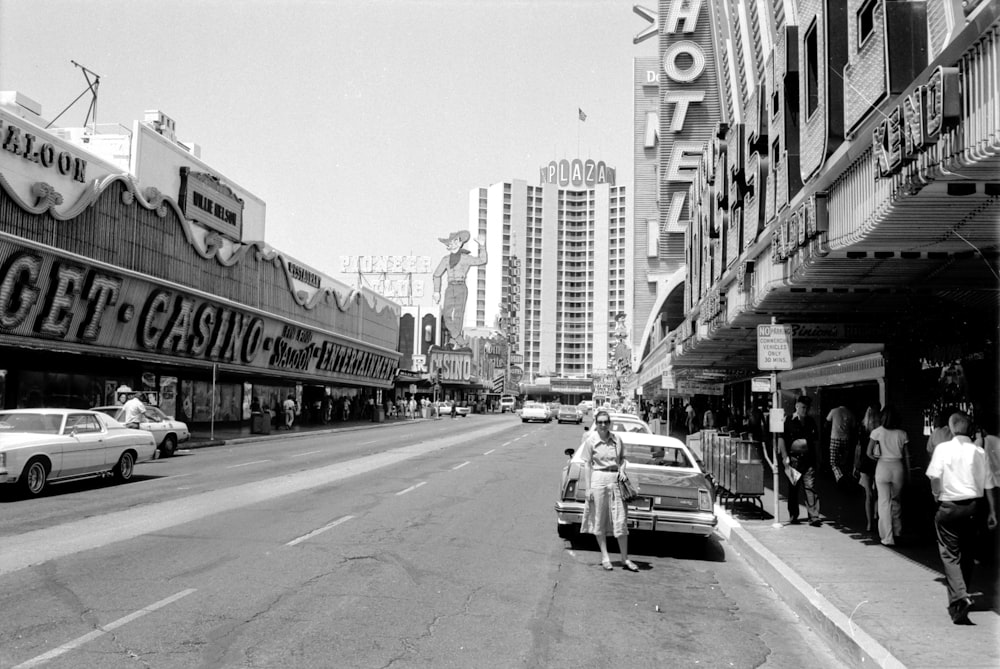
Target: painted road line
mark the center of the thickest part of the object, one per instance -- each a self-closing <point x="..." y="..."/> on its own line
<point x="319" y="530"/>
<point x="299" y="455"/>
<point x="411" y="488"/>
<point x="247" y="464"/>
<point x="489" y="451"/>
<point x="460" y="466"/>
<point x="100" y="631"/>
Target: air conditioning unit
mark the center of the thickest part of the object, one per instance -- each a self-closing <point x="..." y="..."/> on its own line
<point x="162" y="124"/>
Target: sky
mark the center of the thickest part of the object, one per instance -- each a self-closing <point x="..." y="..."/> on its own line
<point x="363" y="125"/>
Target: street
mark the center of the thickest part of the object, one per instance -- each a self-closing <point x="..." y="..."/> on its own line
<point x="431" y="544"/>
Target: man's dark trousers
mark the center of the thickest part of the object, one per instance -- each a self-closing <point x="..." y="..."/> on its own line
<point x="955" y="523"/>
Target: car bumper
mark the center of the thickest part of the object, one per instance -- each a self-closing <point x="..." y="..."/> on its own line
<point x="701" y="523"/>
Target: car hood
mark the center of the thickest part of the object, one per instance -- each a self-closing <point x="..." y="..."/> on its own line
<point x="26" y="439"/>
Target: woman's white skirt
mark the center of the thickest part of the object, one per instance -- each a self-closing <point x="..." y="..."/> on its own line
<point x="604" y="512"/>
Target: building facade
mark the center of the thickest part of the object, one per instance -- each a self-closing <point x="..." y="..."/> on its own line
<point x="125" y="259"/>
<point x="851" y="191"/>
<point x="560" y="272"/>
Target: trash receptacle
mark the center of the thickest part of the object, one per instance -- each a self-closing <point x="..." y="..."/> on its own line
<point x="378" y="415"/>
<point x="260" y="423"/>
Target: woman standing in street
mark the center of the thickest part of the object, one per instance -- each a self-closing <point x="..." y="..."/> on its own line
<point x="604" y="512"/>
<point x="864" y="466"/>
<point x="887" y="444"/>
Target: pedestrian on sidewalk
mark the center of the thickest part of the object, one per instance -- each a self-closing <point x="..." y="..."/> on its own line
<point x="841" y="430"/>
<point x="959" y="477"/>
<point x="887" y="445"/>
<point x="864" y="466"/>
<point x="289" y="408"/>
<point x="941" y="432"/>
<point x="799" y="448"/>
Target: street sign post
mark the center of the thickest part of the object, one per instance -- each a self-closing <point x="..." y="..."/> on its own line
<point x="774" y="352"/>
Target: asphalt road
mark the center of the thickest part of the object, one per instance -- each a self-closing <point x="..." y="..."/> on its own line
<point x="426" y="545"/>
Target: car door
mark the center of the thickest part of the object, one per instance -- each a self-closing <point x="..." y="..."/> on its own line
<point x="156" y="422"/>
<point x="83" y="445"/>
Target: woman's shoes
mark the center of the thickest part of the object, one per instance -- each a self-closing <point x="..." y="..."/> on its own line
<point x="607" y="565"/>
<point x="628" y="565"/>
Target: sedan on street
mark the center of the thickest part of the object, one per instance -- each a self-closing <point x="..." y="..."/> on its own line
<point x="674" y="493"/>
<point x="41" y="446"/>
<point x="535" y="411"/>
<point x="568" y="414"/>
<point x="167" y="431"/>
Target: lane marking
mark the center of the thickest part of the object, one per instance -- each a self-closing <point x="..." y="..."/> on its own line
<point x="460" y="466"/>
<point x="247" y="464"/>
<point x="411" y="488"/>
<point x="298" y="455"/>
<point x="50" y="543"/>
<point x="100" y="631"/>
<point x="319" y="530"/>
<point x="489" y="451"/>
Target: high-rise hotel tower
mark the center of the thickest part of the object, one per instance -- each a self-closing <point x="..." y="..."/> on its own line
<point x="559" y="273"/>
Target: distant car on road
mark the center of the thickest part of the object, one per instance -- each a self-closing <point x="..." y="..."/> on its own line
<point x="42" y="446"/>
<point x="568" y="414"/>
<point x="674" y="494"/>
<point x="507" y="403"/>
<point x="167" y="431"/>
<point x="535" y="411"/>
<point x="444" y="409"/>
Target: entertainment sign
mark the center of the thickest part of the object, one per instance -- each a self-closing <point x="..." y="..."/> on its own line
<point x="47" y="297"/>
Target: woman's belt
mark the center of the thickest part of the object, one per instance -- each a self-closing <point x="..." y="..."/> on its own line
<point x="609" y="469"/>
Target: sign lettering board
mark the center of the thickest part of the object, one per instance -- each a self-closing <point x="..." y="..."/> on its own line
<point x="774" y="346"/>
<point x="761" y="384"/>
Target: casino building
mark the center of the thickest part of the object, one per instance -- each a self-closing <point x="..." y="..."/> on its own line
<point x="833" y="166"/>
<point x="125" y="259"/>
<point x="558" y="274"/>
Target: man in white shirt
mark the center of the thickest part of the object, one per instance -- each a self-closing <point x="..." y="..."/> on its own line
<point x="134" y="410"/>
<point x="841" y="430"/>
<point x="959" y="476"/>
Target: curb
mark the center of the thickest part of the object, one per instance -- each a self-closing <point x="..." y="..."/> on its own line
<point x="851" y="643"/>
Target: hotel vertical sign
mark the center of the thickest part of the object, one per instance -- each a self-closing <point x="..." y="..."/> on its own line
<point x="689" y="106"/>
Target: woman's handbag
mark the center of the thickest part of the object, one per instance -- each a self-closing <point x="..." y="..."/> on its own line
<point x="628" y="490"/>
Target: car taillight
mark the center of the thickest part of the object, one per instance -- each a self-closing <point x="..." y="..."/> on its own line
<point x="571" y="489"/>
<point x="704" y="500"/>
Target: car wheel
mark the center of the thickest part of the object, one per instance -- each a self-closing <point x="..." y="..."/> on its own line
<point x="168" y="446"/>
<point x="567" y="531"/>
<point x="524" y="420"/>
<point x="36" y="475"/>
<point x="125" y="468"/>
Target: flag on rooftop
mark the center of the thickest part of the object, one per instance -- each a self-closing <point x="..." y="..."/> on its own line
<point x="583" y="117"/>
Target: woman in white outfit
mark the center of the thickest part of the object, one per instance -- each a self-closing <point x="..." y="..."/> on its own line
<point x="604" y="512"/>
<point x="887" y="445"/>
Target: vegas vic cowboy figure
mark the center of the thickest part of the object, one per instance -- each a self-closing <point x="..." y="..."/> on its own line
<point x="456" y="264"/>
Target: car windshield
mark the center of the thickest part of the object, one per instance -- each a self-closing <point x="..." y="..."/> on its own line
<point x="113" y="412"/>
<point x="155" y="415"/>
<point x="628" y="426"/>
<point x="665" y="456"/>
<point x="40" y="423"/>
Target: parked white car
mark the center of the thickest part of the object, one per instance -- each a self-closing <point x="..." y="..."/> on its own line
<point x="42" y="446"/>
<point x="167" y="431"/>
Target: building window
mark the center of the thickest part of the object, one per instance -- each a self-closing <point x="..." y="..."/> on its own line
<point x="812" y="69"/>
<point x="866" y="21"/>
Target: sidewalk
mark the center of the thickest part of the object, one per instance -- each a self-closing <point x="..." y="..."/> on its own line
<point x="875" y="605"/>
<point x="204" y="436"/>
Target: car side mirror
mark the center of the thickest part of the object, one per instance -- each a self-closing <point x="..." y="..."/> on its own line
<point x="569" y="452"/>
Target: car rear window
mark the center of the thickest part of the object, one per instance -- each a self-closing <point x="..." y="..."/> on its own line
<point x="665" y="456"/>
